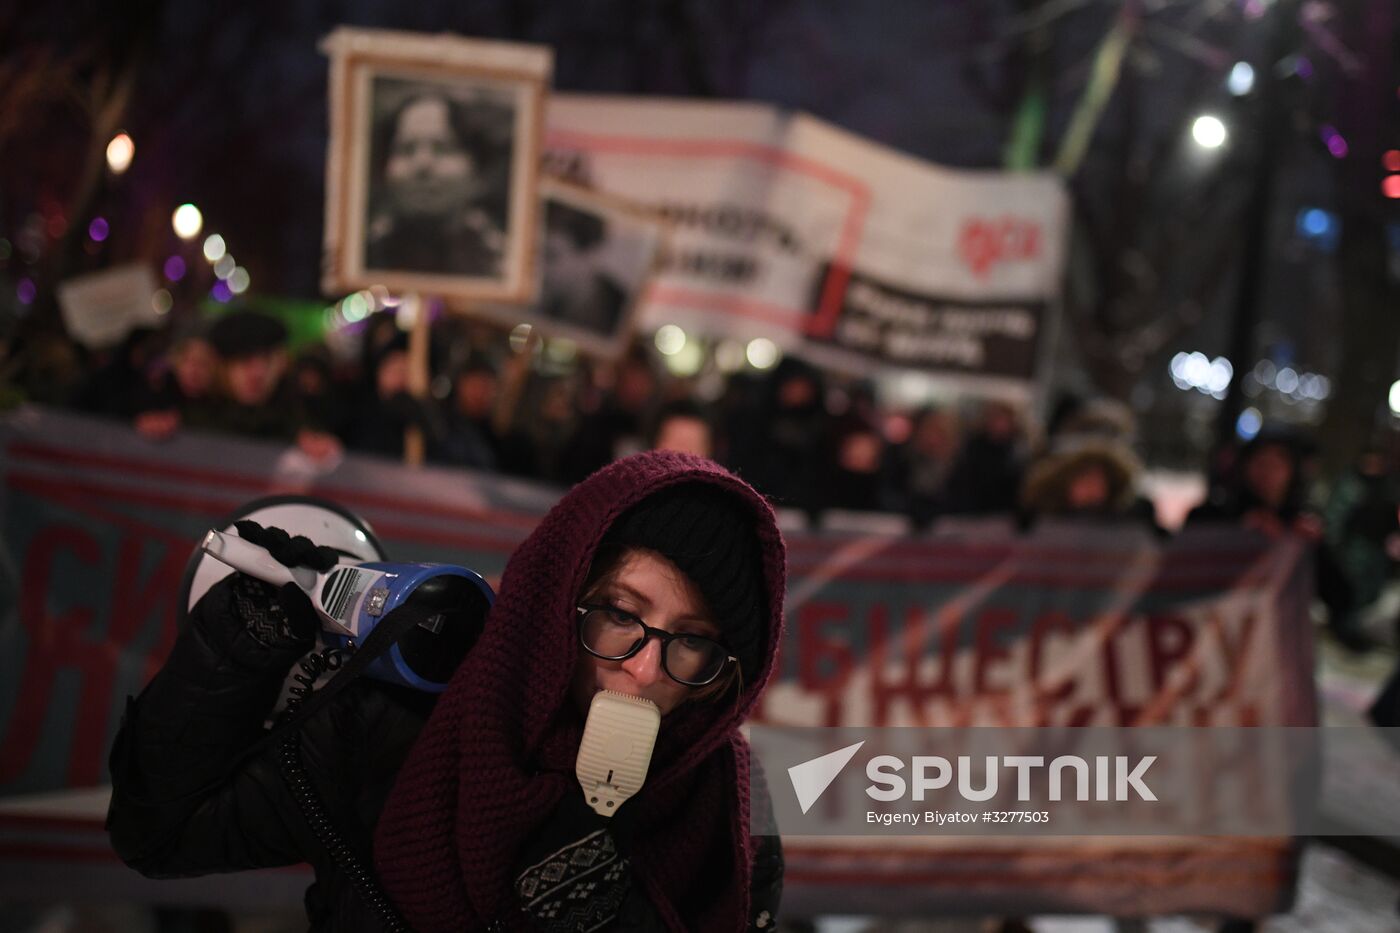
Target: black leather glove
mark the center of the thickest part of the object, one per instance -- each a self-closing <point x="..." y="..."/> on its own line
<point x="279" y="617"/>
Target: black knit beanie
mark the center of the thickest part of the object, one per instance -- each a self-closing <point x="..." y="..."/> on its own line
<point x="243" y="332"/>
<point x="711" y="538"/>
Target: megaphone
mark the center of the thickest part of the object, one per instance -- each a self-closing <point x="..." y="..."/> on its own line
<point x="359" y="591"/>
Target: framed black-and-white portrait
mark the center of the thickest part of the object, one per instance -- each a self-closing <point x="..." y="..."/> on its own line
<point x="597" y="256"/>
<point x="431" y="171"/>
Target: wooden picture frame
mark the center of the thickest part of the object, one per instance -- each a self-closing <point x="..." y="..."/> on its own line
<point x="432" y="165"/>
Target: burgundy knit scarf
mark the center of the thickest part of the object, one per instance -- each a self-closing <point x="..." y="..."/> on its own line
<point x="498" y="752"/>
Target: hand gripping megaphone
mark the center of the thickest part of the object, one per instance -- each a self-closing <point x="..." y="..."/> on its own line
<point x="359" y="591"/>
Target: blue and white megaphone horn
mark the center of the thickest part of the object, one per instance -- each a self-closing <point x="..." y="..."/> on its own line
<point x="359" y="591"/>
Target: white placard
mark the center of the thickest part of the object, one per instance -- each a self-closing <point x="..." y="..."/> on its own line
<point x="101" y="308"/>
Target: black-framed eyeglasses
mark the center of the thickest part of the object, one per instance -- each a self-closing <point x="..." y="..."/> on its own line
<point x="614" y="635"/>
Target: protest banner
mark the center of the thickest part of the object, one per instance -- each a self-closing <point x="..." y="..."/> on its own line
<point x="597" y="256"/>
<point x="1064" y="627"/>
<point x="835" y="247"/>
<point x="966" y="626"/>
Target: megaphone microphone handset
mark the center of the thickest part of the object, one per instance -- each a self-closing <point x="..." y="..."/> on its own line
<point x="615" y="752"/>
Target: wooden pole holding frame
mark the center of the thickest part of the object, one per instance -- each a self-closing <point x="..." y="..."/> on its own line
<point x="419" y="376"/>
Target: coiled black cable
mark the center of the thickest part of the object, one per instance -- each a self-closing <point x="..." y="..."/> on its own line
<point x="312" y="667"/>
<point x="309" y="800"/>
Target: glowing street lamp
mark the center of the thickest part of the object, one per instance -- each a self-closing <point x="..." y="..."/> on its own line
<point x="120" y="151"/>
<point x="239" y="281"/>
<point x="1208" y="132"/>
<point x="762" y="353"/>
<point x="1241" y="80"/>
<point x="214" y="247"/>
<point x="670" y="339"/>
<point x="187" y="221"/>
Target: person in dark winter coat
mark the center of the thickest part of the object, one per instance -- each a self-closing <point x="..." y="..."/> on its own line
<point x="792" y="461"/>
<point x="987" y="476"/>
<point x="859" y="468"/>
<point x="321" y="401"/>
<point x="466" y="814"/>
<point x="1088" y="471"/>
<point x="1266" y="490"/>
<point x="387" y="409"/>
<point x="470" y="436"/>
<point x="618" y="426"/>
<point x="115" y="389"/>
<point x="919" y="468"/>
<point x="186" y="384"/>
<point x="251" y="397"/>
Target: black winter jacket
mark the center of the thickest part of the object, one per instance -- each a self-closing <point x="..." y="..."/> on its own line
<point x="187" y="800"/>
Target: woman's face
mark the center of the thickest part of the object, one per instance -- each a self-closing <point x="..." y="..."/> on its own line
<point x="1089" y="488"/>
<point x="1269" y="473"/>
<point x="194" y="368"/>
<point x="686" y="434"/>
<point x="428" y="170"/>
<point x="476" y="393"/>
<point x="935" y="436"/>
<point x="655" y="590"/>
<point x="391" y="377"/>
<point x="252" y="380"/>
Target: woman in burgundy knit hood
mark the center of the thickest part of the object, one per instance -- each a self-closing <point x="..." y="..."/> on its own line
<point x="660" y="577"/>
<point x="499" y="750"/>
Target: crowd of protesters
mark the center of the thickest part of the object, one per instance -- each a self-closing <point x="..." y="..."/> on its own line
<point x="810" y="440"/>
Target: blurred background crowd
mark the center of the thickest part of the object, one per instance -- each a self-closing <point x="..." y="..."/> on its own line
<point x="813" y="440"/>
